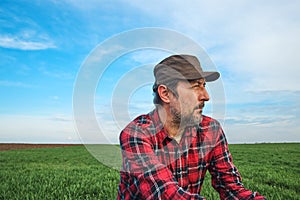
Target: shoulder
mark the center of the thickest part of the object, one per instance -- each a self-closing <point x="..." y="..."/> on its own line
<point x="210" y="125"/>
<point x="211" y="130"/>
<point x="137" y="131"/>
<point x="142" y="121"/>
<point x="139" y="125"/>
<point x="209" y="121"/>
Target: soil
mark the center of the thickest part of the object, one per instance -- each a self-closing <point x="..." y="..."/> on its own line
<point x="12" y="146"/>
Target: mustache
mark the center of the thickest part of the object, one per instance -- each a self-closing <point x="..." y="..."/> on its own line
<point x="200" y="106"/>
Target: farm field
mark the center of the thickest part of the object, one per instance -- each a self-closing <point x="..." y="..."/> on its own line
<point x="72" y="172"/>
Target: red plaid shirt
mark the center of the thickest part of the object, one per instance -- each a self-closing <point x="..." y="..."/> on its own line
<point x="156" y="167"/>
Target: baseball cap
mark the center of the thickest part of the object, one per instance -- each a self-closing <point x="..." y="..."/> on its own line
<point x="181" y="67"/>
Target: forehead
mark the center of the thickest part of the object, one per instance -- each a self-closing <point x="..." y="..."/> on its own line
<point x="200" y="80"/>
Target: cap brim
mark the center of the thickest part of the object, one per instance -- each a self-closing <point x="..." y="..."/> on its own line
<point x="210" y="76"/>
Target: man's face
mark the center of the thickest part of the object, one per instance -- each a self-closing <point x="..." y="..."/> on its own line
<point x="187" y="107"/>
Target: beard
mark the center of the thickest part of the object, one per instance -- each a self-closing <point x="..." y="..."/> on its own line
<point x="193" y="118"/>
<point x="176" y="115"/>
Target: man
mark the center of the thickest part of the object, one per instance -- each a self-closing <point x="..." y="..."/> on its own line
<point x="167" y="152"/>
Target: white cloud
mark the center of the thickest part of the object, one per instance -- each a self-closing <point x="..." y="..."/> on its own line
<point x="94" y="5"/>
<point x="254" y="41"/>
<point x="272" y="116"/>
<point x="247" y="133"/>
<point x="23" y="44"/>
<point x="27" y="128"/>
<point x="15" y="84"/>
<point x="55" y="98"/>
<point x="62" y="118"/>
<point x="148" y="56"/>
<point x="56" y="73"/>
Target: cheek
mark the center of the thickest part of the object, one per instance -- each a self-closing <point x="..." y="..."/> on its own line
<point x="187" y="103"/>
<point x="187" y="100"/>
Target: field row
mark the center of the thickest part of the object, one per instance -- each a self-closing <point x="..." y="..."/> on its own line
<point x="74" y="172"/>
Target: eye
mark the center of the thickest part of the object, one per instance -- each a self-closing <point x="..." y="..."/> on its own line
<point x="196" y="86"/>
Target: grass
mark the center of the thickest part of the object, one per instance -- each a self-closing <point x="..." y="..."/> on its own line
<point x="271" y="169"/>
<point x="73" y="173"/>
<point x="55" y="173"/>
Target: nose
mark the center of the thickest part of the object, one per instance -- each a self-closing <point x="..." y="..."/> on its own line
<point x="203" y="95"/>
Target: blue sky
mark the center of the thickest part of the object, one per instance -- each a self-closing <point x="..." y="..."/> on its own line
<point x="45" y="44"/>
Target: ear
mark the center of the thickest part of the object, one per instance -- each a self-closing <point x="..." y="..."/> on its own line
<point x="163" y="92"/>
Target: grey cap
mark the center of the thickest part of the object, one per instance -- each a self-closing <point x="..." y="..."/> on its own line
<point x="181" y="67"/>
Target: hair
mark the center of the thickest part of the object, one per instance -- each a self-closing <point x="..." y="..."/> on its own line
<point x="171" y="85"/>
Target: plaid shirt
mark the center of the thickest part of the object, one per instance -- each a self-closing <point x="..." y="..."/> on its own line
<point x="155" y="166"/>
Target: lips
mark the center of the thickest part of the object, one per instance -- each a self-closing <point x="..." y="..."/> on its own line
<point x="200" y="106"/>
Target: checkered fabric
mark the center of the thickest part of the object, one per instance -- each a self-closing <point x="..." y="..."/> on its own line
<point x="155" y="166"/>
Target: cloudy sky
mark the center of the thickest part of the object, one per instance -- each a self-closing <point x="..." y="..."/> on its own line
<point x="46" y="46"/>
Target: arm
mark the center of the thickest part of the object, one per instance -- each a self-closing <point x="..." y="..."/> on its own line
<point x="225" y="177"/>
<point x="144" y="177"/>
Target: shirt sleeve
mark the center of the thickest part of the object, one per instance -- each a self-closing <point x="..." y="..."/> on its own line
<point x="142" y="175"/>
<point x="225" y="177"/>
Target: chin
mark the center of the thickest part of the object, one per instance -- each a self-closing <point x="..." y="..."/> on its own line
<point x="197" y="118"/>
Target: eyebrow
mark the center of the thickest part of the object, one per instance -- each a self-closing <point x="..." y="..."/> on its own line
<point x="199" y="81"/>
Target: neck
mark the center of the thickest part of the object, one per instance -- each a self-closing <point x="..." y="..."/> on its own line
<point x="173" y="128"/>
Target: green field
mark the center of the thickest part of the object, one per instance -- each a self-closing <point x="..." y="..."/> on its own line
<point x="73" y="173"/>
